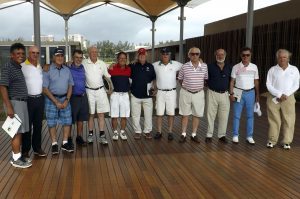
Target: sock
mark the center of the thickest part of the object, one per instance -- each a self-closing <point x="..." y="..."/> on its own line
<point x="101" y="133"/>
<point x="54" y="143"/>
<point x="122" y="131"/>
<point x="16" y="156"/>
<point x="65" y="142"/>
<point x="91" y="132"/>
<point x="183" y="133"/>
<point x="115" y="131"/>
<point x="193" y="134"/>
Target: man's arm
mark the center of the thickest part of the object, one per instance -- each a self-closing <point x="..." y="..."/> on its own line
<point x="67" y="100"/>
<point x="256" y="83"/>
<point x="232" y="81"/>
<point x="6" y="101"/>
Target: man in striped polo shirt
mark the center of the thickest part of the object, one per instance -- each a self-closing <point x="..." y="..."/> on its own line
<point x="191" y="99"/>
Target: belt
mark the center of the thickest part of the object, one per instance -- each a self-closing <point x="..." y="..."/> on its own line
<point x="94" y="88"/>
<point x="167" y="89"/>
<point x="35" y="96"/>
<point x="81" y="95"/>
<point x="60" y="96"/>
<point x="246" y="89"/>
<point x="193" y="92"/>
<point x="18" y="99"/>
<point x="219" y="91"/>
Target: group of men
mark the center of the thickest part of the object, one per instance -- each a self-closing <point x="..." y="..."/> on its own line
<point x="75" y="93"/>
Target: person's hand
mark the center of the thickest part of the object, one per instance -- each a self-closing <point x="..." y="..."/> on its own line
<point x="283" y="98"/>
<point x="154" y="92"/>
<point x="232" y="98"/>
<point x="59" y="105"/>
<point x="65" y="104"/>
<point x="10" y="112"/>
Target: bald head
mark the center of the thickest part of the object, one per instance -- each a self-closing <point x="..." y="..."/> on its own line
<point x="34" y="55"/>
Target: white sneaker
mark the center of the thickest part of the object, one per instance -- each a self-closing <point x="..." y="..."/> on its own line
<point x="270" y="145"/>
<point x="287" y="146"/>
<point x="123" y="136"/>
<point x="235" y="139"/>
<point x="250" y="140"/>
<point x="90" y="138"/>
<point x="115" y="136"/>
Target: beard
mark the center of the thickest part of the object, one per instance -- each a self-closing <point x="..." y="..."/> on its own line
<point x="220" y="60"/>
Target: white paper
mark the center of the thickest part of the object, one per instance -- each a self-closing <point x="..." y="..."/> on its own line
<point x="149" y="86"/>
<point x="237" y="93"/>
<point x="257" y="109"/>
<point x="274" y="99"/>
<point x="12" y="125"/>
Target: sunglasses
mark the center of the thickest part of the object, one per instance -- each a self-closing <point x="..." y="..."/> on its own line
<point x="35" y="53"/>
<point x="245" y="55"/>
<point x="194" y="54"/>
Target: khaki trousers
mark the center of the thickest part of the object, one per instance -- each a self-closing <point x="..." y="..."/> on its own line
<point x="217" y="104"/>
<point x="281" y="113"/>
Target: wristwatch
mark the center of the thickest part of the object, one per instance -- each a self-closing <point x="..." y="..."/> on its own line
<point x="67" y="99"/>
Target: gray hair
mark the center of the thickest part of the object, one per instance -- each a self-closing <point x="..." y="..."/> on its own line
<point x="285" y="51"/>
<point x="194" y="48"/>
<point x="225" y="53"/>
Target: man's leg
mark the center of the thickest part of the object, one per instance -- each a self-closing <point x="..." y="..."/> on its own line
<point x="136" y="115"/>
<point x="274" y="118"/>
<point x="37" y="126"/>
<point x="288" y="118"/>
<point x="212" y="108"/>
<point x="148" y="113"/>
<point x="249" y="102"/>
<point x="195" y="124"/>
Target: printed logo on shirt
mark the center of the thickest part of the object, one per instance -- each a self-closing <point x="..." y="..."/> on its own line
<point x="147" y="69"/>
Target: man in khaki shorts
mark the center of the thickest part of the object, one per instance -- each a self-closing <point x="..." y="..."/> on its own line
<point x="191" y="100"/>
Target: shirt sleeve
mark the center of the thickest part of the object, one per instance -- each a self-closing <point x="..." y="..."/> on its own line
<point x="153" y="72"/>
<point x="295" y="86"/>
<point x="4" y="77"/>
<point x="105" y="70"/>
<point x="71" y="81"/>
<point x="233" y="71"/>
<point x="256" y="76"/>
<point x="46" y="79"/>
<point x="206" y="73"/>
<point x="178" y="66"/>
<point x="270" y="86"/>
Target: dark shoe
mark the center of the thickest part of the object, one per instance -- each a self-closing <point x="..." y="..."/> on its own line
<point x="80" y="141"/>
<point x="137" y="136"/>
<point x="25" y="156"/>
<point x="67" y="147"/>
<point x="54" y="149"/>
<point x="170" y="136"/>
<point x="208" y="139"/>
<point x="195" y="139"/>
<point x="70" y="141"/>
<point x="20" y="163"/>
<point x="182" y="139"/>
<point x="158" y="135"/>
<point x="148" y="136"/>
<point x="223" y="140"/>
<point x="40" y="153"/>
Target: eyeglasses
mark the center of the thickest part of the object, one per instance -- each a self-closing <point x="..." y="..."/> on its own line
<point x="194" y="54"/>
<point x="245" y="55"/>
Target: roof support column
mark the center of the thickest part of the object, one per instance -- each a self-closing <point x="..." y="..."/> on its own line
<point x="153" y="19"/>
<point x="66" y="18"/>
<point x="181" y="4"/>
<point x="249" y="27"/>
<point x="36" y="19"/>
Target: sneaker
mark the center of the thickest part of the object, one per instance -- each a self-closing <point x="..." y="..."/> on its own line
<point x="70" y="141"/>
<point x="208" y="140"/>
<point x="80" y="141"/>
<point x="182" y="139"/>
<point x="123" y="136"/>
<point x="223" y="140"/>
<point x="54" y="149"/>
<point x="115" y="136"/>
<point x="26" y="157"/>
<point x="20" y="163"/>
<point x="170" y="136"/>
<point x="158" y="135"/>
<point x="137" y="136"/>
<point x="250" y="141"/>
<point x="40" y="153"/>
<point x="270" y="145"/>
<point x="195" y="139"/>
<point x="67" y="147"/>
<point x="235" y="139"/>
<point x="287" y="146"/>
<point x="103" y="140"/>
<point x="148" y="136"/>
<point x="90" y="138"/>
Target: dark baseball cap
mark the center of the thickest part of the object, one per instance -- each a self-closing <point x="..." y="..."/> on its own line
<point x="142" y="51"/>
<point x="59" y="51"/>
<point x="165" y="50"/>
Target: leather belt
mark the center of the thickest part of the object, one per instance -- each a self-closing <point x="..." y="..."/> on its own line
<point x="60" y="96"/>
<point x="245" y="89"/>
<point x="35" y="96"/>
<point x="94" y="88"/>
<point x="167" y="89"/>
<point x="18" y="99"/>
<point x="193" y="92"/>
<point x="219" y="91"/>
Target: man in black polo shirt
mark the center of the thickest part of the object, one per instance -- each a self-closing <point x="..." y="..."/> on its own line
<point x="14" y="95"/>
<point x="142" y="74"/>
<point x="218" y="102"/>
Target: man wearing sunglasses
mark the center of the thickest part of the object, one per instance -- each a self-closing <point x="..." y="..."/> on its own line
<point x="244" y="91"/>
<point x="33" y="74"/>
<point x="192" y="76"/>
<point x="166" y="71"/>
<point x="218" y="102"/>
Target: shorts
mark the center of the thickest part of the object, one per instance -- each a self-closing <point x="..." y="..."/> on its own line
<point x="80" y="108"/>
<point x="20" y="108"/>
<point x="98" y="101"/>
<point x="190" y="103"/>
<point x="56" y="116"/>
<point x="119" y="105"/>
<point x="165" y="101"/>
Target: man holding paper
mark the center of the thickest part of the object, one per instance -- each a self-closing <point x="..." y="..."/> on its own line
<point x="244" y="91"/>
<point x="282" y="83"/>
<point x="14" y="94"/>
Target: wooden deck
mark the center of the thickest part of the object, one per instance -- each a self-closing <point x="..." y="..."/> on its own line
<point x="158" y="169"/>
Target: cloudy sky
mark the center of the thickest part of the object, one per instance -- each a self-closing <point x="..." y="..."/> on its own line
<point x="114" y="24"/>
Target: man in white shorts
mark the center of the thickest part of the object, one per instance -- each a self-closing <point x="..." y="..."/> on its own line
<point x="119" y="99"/>
<point x="95" y="69"/>
<point x="191" y="100"/>
<point x="166" y="71"/>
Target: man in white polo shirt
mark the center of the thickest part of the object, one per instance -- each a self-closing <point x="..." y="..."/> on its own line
<point x="191" y="100"/>
<point x="33" y="74"/>
<point x="244" y="91"/>
<point x="95" y="69"/>
<point x="166" y="71"/>
<point x="282" y="83"/>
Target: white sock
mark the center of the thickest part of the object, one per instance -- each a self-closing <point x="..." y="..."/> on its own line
<point x="183" y="133"/>
<point x="16" y="156"/>
<point x="65" y="142"/>
<point x="122" y="131"/>
<point x="54" y="143"/>
<point x="193" y="134"/>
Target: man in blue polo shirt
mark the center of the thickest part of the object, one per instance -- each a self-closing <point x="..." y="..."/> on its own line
<point x="142" y="74"/>
<point x="218" y="102"/>
<point x="57" y="86"/>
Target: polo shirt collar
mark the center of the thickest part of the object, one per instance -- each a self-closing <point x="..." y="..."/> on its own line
<point x="55" y="67"/>
<point x="161" y="63"/>
<point x="90" y="61"/>
<point x="281" y="68"/>
<point x="191" y="64"/>
<point x="15" y="64"/>
<point x="27" y="62"/>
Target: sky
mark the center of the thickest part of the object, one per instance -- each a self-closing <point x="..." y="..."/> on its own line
<point x="111" y="23"/>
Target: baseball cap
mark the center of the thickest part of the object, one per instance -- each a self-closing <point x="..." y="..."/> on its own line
<point x="142" y="51"/>
<point x="164" y="50"/>
<point x="59" y="51"/>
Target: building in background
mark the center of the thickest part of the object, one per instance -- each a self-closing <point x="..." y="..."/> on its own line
<point x="45" y="38"/>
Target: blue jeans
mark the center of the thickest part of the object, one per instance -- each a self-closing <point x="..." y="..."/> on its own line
<point x="248" y="100"/>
